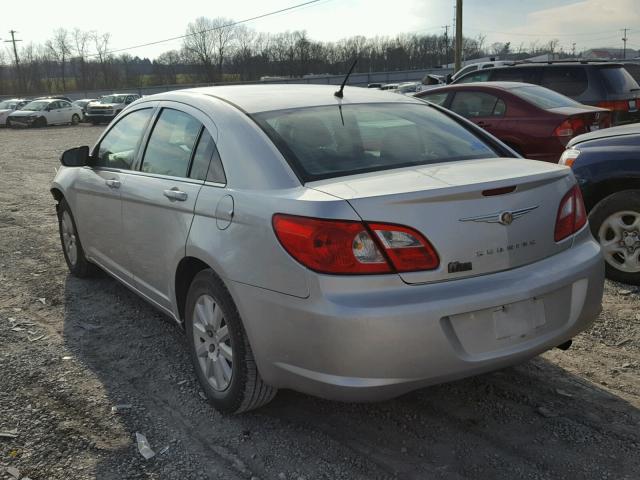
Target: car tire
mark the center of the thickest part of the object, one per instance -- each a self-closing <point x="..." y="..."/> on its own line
<point x="219" y="348"/>
<point x="615" y="223"/>
<point x="72" y="249"/>
<point x="9" y="125"/>
<point x="40" y="122"/>
<point x="75" y="119"/>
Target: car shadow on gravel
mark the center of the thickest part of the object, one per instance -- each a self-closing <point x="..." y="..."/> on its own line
<point x="535" y="420"/>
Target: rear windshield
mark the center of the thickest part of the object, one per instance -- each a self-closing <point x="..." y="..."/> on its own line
<point x="326" y="142"/>
<point x="543" y="97"/>
<point x="618" y="80"/>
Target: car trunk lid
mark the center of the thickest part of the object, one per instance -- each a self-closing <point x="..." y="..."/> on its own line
<point x="458" y="207"/>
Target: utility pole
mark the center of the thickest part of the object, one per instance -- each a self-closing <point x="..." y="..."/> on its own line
<point x="458" y="52"/>
<point x="624" y="42"/>
<point x="446" y="44"/>
<point x="573" y="49"/>
<point x="15" y="53"/>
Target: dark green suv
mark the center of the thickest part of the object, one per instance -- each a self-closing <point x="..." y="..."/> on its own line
<point x="602" y="84"/>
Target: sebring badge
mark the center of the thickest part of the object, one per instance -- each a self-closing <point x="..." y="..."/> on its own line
<point x="503" y="218"/>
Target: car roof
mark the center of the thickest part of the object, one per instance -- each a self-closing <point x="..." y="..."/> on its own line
<point x="263" y="98"/>
<point x="558" y="64"/>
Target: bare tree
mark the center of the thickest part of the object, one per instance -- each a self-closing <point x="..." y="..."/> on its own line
<point x="81" y="49"/>
<point x="101" y="44"/>
<point x="199" y="45"/>
<point x="60" y="48"/>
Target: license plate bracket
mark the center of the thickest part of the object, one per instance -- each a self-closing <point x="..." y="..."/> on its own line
<point x="518" y="319"/>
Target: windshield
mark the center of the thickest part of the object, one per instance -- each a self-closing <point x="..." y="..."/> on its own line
<point x="36" y="106"/>
<point x="7" y="105"/>
<point x="113" y="99"/>
<point x="326" y="142"/>
<point x="543" y="97"/>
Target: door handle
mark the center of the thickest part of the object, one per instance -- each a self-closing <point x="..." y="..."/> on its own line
<point x="112" y="183"/>
<point x="176" y="195"/>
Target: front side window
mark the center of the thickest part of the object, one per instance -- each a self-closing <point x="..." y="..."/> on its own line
<point x="171" y="144"/>
<point x="476" y="104"/>
<point x="514" y="74"/>
<point x="118" y="147"/>
<point x="326" y="142"/>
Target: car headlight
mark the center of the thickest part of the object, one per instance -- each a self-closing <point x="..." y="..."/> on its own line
<point x="569" y="156"/>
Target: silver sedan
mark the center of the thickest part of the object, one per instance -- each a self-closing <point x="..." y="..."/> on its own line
<point x="353" y="247"/>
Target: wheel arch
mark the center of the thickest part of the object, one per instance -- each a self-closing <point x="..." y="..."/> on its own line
<point x="186" y="270"/>
<point x="605" y="188"/>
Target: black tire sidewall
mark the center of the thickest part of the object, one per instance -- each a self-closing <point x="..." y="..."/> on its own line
<point x="73" y="121"/>
<point x="617" y="202"/>
<point x="82" y="266"/>
<point x="207" y="282"/>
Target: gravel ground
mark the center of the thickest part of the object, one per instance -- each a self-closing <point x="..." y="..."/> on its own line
<point x="71" y="349"/>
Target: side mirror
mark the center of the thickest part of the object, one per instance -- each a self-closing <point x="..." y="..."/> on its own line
<point x="75" y="157"/>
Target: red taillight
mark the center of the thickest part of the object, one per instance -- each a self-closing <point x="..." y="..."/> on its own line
<point x="572" y="215"/>
<point x="348" y="247"/>
<point x="570" y="127"/>
<point x="406" y="248"/>
<point x="617" y="105"/>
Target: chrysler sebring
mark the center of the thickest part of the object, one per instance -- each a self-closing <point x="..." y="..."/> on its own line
<point x="353" y="246"/>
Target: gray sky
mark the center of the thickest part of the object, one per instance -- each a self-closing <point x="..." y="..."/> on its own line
<point x="589" y="23"/>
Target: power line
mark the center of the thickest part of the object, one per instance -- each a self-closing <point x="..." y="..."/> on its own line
<point x="483" y="30"/>
<point x="257" y="17"/>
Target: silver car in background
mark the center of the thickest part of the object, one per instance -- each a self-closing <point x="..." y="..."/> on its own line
<point x="353" y="248"/>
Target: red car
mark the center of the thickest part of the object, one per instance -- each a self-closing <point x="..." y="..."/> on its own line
<point x="535" y="121"/>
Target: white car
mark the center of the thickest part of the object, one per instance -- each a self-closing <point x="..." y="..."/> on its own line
<point x="49" y="111"/>
<point x="479" y="66"/>
<point x="8" y="106"/>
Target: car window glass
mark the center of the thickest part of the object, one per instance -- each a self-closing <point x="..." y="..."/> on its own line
<point x="324" y="142"/>
<point x="475" y="77"/>
<point x="618" y="80"/>
<point x="64" y="104"/>
<point x="543" y="97"/>
<point x="117" y="149"/>
<point x="53" y="106"/>
<point x="171" y="144"/>
<point x="473" y="104"/>
<point x="567" y="81"/>
<point x="500" y="109"/>
<point x="206" y="159"/>
<point x="488" y="65"/>
<point x="437" y="98"/>
<point x="514" y="74"/>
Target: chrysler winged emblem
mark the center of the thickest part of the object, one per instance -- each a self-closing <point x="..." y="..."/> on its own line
<point x="505" y="217"/>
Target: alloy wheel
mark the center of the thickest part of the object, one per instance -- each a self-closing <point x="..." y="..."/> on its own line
<point x="619" y="236"/>
<point x="212" y="342"/>
<point x="69" y="239"/>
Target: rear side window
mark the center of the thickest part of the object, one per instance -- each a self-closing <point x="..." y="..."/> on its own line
<point x="515" y="74"/>
<point x="569" y="81"/>
<point x="326" y="142"/>
<point x="118" y="147"/>
<point x="477" y="104"/>
<point x="474" y="77"/>
<point x="171" y="144"/>
<point x="206" y="161"/>
<point x="437" y="98"/>
<point x="618" y="80"/>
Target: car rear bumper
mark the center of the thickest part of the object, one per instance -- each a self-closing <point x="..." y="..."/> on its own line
<point x="372" y="338"/>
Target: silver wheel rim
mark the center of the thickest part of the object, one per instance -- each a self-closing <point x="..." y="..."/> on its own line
<point x="69" y="240"/>
<point x="75" y="119"/>
<point x="619" y="236"/>
<point x="212" y="343"/>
